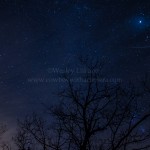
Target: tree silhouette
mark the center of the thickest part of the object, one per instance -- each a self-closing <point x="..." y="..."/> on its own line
<point x="22" y="139"/>
<point x="45" y="136"/>
<point x="93" y="115"/>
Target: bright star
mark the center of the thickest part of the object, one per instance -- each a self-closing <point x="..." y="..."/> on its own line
<point x="140" y="21"/>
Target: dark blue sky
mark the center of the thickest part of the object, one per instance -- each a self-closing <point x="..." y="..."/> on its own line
<point x="36" y="35"/>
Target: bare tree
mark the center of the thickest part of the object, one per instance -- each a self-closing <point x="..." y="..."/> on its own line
<point x="45" y="135"/>
<point x="22" y="139"/>
<point x="37" y="128"/>
<point x="93" y="110"/>
<point x="92" y="115"/>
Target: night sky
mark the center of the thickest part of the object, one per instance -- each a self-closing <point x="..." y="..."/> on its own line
<point x="37" y="35"/>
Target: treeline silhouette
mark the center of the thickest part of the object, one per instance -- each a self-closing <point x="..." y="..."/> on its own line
<point x="90" y="116"/>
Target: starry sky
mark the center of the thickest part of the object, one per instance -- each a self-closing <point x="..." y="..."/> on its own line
<point x="37" y="35"/>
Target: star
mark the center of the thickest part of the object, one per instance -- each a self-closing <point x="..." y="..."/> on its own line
<point x="140" y="21"/>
